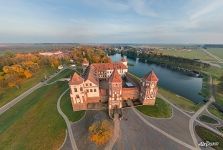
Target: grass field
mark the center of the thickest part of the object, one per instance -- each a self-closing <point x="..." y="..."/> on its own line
<point x="220" y="129"/>
<point x="34" y="122"/>
<point x="208" y="119"/>
<point x="191" y="54"/>
<point x="216" y="51"/>
<point x="179" y="101"/>
<point x="7" y="94"/>
<point x="215" y="112"/>
<point x="66" y="107"/>
<point x="64" y="74"/>
<point x="160" y="110"/>
<point x="207" y="135"/>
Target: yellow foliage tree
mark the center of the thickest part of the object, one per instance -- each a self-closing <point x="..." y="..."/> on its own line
<point x="100" y="132"/>
<point x="27" y="74"/>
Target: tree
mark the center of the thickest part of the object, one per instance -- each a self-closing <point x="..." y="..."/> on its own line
<point x="100" y="132"/>
<point x="27" y="74"/>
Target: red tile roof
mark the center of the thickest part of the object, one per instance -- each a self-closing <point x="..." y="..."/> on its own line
<point x="151" y="76"/>
<point x="76" y="79"/>
<point x="100" y="67"/>
<point x="115" y="77"/>
<point x="91" y="76"/>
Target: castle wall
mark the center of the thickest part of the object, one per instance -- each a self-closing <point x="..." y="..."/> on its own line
<point x="130" y="93"/>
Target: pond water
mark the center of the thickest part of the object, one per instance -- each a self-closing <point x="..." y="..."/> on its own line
<point x="174" y="81"/>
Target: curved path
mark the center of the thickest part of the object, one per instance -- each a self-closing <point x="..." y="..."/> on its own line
<point x="163" y="132"/>
<point x="26" y="93"/>
<point x="70" y="133"/>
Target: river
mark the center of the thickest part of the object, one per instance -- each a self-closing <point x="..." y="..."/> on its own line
<point x="174" y="81"/>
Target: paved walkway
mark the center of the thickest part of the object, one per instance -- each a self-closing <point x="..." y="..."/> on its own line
<point x="163" y="132"/>
<point x="116" y="132"/>
<point x="70" y="133"/>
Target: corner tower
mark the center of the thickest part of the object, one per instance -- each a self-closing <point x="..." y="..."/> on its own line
<point x="149" y="89"/>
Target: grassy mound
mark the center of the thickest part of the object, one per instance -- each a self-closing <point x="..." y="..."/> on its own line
<point x="216" y="112"/>
<point x="160" y="110"/>
<point x="180" y="101"/>
<point x="220" y="129"/>
<point x="207" y="135"/>
<point x="208" y="119"/>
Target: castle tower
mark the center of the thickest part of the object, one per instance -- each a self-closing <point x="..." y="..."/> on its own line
<point x="78" y="97"/>
<point x="115" y="91"/>
<point x="124" y="61"/>
<point x="149" y="89"/>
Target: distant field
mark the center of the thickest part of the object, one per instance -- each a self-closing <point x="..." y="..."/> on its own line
<point x="192" y="54"/>
<point x="216" y="51"/>
<point x="34" y="122"/>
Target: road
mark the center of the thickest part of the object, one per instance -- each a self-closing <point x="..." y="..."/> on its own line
<point x="116" y="132"/>
<point x="70" y="133"/>
<point x="26" y="93"/>
<point x="212" y="55"/>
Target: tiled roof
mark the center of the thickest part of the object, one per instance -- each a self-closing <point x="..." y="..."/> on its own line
<point x="99" y="67"/>
<point x="151" y="76"/>
<point x="91" y="76"/>
<point x="115" y="77"/>
<point x="76" y="79"/>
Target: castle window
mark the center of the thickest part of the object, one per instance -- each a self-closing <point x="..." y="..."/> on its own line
<point x="94" y="90"/>
<point x="91" y="90"/>
<point x="86" y="84"/>
<point x="81" y="89"/>
<point x="77" y="96"/>
<point x="90" y="84"/>
<point x="75" y="89"/>
<point x="87" y="90"/>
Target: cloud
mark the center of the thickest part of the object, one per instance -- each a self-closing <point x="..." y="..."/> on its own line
<point x="207" y="9"/>
<point x="142" y="8"/>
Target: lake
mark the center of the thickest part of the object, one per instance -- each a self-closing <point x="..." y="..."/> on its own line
<point x="174" y="81"/>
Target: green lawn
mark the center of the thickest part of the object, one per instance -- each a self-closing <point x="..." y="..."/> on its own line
<point x="34" y="122"/>
<point x="193" y="54"/>
<point x="207" y="135"/>
<point x="208" y="119"/>
<point x="179" y="101"/>
<point x="220" y="129"/>
<point x="66" y="107"/>
<point x="215" y="112"/>
<point x="8" y="94"/>
<point x="64" y="74"/>
<point x="160" y="110"/>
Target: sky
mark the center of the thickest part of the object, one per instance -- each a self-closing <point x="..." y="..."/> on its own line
<point x="111" y="21"/>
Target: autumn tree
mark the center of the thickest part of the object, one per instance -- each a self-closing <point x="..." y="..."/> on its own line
<point x="100" y="132"/>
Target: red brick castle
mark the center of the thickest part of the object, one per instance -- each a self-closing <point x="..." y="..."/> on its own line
<point x="111" y="84"/>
